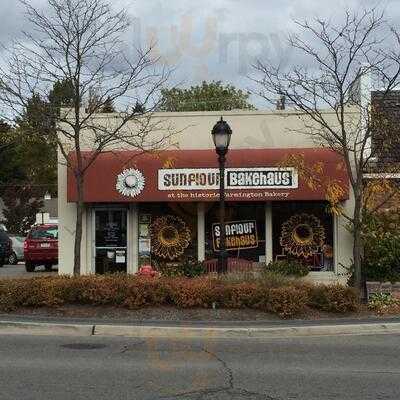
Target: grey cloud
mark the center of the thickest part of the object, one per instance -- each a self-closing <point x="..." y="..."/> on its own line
<point x="12" y="19"/>
<point x="214" y="39"/>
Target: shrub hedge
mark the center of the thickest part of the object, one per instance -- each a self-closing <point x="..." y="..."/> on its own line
<point x="289" y="300"/>
<point x="288" y="268"/>
<point x="381" y="238"/>
<point x="333" y="298"/>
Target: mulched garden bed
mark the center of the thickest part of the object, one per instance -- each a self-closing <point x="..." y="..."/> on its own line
<point x="172" y="314"/>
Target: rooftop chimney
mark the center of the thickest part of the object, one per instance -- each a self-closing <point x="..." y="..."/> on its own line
<point x="281" y="103"/>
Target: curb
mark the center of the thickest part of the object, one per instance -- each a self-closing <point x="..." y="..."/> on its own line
<point x="231" y="333"/>
<point x="138" y="331"/>
<point x="44" y="329"/>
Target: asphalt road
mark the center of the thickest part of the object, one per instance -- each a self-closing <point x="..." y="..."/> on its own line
<point x="18" y="271"/>
<point x="349" y="367"/>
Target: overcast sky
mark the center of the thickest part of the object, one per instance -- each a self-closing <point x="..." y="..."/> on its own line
<point x="213" y="39"/>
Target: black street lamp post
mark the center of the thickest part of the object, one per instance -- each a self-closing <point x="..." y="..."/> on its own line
<point x="221" y="134"/>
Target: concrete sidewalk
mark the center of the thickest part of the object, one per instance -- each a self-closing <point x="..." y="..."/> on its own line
<point x="201" y="329"/>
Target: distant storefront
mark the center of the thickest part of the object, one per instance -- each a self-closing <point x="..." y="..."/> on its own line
<point x="163" y="208"/>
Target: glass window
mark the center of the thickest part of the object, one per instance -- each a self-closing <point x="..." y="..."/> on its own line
<point x="111" y="228"/>
<point x="44" y="233"/>
<point x="167" y="233"/>
<point x="111" y="240"/>
<point x="245" y="233"/>
<point x="303" y="231"/>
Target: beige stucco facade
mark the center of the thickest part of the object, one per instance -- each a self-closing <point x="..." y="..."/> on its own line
<point x="251" y="129"/>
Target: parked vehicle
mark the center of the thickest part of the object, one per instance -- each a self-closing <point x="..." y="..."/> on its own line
<point x="17" y="253"/>
<point x="5" y="247"/>
<point x="41" y="247"/>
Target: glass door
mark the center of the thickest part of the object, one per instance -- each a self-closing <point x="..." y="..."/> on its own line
<point x="110" y="240"/>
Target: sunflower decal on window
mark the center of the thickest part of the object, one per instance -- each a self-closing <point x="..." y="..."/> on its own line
<point x="170" y="236"/>
<point x="302" y="235"/>
<point x="130" y="182"/>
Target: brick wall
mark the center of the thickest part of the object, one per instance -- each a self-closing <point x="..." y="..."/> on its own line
<point x="387" y="200"/>
<point x="387" y="107"/>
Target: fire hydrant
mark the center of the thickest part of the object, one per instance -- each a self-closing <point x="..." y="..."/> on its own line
<point x="147" y="270"/>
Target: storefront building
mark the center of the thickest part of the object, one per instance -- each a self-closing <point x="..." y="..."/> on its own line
<point x="162" y="208"/>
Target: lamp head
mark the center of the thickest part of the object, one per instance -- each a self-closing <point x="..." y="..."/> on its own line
<point x="221" y="134"/>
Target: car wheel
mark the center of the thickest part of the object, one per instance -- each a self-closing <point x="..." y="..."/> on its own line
<point x="13" y="259"/>
<point x="48" y="267"/>
<point x="29" y="266"/>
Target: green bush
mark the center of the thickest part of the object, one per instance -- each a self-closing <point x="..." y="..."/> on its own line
<point x="382" y="260"/>
<point x="193" y="268"/>
<point x="171" y="270"/>
<point x="288" y="268"/>
<point x="333" y="298"/>
<point x="380" y="301"/>
<point x="190" y="268"/>
<point x="381" y="236"/>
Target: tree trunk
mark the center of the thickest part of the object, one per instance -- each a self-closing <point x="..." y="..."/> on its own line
<point x="78" y="226"/>
<point x="358" y="247"/>
<point x="357" y="258"/>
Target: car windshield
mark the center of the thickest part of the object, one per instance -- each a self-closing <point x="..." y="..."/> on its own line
<point x="17" y="238"/>
<point x="44" y="233"/>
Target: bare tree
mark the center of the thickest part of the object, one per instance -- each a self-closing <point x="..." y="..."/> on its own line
<point x="336" y="60"/>
<point x="81" y="42"/>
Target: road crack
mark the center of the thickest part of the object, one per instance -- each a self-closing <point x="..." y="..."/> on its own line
<point x="228" y="370"/>
<point x="228" y="391"/>
<point x="235" y="393"/>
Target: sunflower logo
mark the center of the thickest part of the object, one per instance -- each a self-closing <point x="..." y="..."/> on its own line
<point x="130" y="182"/>
<point x="170" y="236"/>
<point x="302" y="235"/>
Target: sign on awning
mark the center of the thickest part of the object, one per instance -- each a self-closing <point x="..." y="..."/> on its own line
<point x="251" y="175"/>
<point x="235" y="178"/>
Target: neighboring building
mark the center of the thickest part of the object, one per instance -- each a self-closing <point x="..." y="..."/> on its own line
<point x="50" y="206"/>
<point x="385" y="163"/>
<point x="48" y="213"/>
<point x="386" y="107"/>
<point x="164" y="207"/>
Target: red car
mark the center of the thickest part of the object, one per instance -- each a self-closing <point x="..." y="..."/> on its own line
<point x="41" y="247"/>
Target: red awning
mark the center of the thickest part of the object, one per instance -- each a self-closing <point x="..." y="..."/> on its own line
<point x="191" y="175"/>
